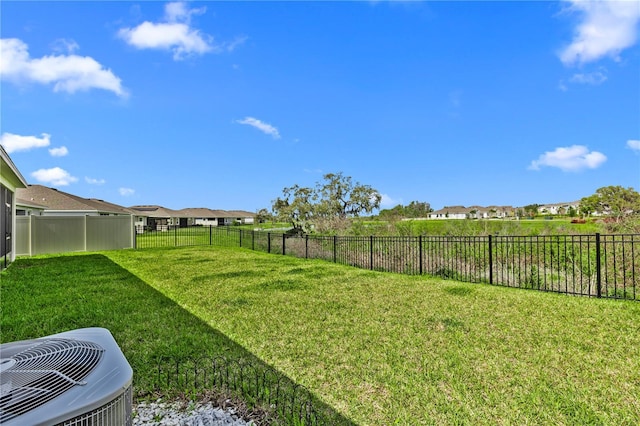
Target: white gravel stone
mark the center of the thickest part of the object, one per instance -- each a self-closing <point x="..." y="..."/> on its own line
<point x="179" y="414"/>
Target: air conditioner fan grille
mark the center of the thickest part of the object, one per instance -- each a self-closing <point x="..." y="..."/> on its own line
<point x="42" y="371"/>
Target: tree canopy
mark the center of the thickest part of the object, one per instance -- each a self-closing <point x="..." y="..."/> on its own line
<point x="415" y="209"/>
<point x="615" y="201"/>
<point x="337" y="197"/>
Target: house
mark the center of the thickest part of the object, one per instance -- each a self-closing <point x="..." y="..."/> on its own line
<point x="44" y="201"/>
<point x="559" y="208"/>
<point x="10" y="181"/>
<point x="241" y="216"/>
<point x="473" y="212"/>
<point x="157" y="218"/>
<point x="501" y="212"/>
<point x="200" y="216"/>
<point x="450" y="212"/>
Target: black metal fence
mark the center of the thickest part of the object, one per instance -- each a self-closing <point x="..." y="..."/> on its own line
<point x="587" y="265"/>
<point x="260" y="387"/>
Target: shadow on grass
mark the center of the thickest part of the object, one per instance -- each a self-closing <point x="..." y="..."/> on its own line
<point x="167" y="346"/>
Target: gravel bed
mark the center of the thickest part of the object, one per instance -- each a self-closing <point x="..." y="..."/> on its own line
<point x="160" y="413"/>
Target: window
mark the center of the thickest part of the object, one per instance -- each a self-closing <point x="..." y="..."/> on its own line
<point x="6" y="201"/>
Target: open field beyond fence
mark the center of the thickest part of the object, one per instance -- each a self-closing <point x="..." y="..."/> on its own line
<point x="372" y="348"/>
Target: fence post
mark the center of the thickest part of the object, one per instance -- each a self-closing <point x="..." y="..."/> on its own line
<point x="598" y="267"/>
<point x="268" y="242"/>
<point x="371" y="252"/>
<point x="335" y="239"/>
<point x="284" y="239"/>
<point x="210" y="235"/>
<point x="253" y="240"/>
<point x="490" y="259"/>
<point x="240" y="237"/>
<point x="420" y="252"/>
<point x="306" y="246"/>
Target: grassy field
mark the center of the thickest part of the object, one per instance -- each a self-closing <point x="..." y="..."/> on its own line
<point x="558" y="226"/>
<point x="377" y="348"/>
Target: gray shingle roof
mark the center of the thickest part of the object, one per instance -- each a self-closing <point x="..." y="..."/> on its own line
<point x="155" y="211"/>
<point x="53" y="199"/>
<point x="197" y="212"/>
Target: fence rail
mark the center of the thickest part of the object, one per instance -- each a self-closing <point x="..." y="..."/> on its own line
<point x="258" y="385"/>
<point x="587" y="265"/>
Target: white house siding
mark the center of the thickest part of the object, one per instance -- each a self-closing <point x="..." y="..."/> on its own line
<point x="448" y="215"/>
<point x="206" y="221"/>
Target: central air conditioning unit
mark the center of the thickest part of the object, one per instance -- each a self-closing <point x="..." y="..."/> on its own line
<point x="79" y="377"/>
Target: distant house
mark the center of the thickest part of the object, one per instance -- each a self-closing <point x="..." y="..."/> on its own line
<point x="450" y="212"/>
<point x="10" y="181"/>
<point x="558" y="208"/>
<point x="201" y="216"/>
<point x="473" y="212"/>
<point x="158" y="218"/>
<point x="501" y="212"/>
<point x="39" y="200"/>
<point x="241" y="216"/>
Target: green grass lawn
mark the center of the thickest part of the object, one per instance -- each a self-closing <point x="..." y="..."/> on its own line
<point x="378" y="348"/>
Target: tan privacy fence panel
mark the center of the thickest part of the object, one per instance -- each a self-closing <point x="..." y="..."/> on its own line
<point x="59" y="234"/>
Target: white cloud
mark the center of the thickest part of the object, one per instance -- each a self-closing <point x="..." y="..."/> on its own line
<point x="174" y="34"/>
<point x="605" y="29"/>
<point x="67" y="73"/>
<point x="592" y="78"/>
<point x="14" y="143"/>
<point x="387" y="201"/>
<point x="260" y="125"/>
<point x="178" y="12"/>
<point x="59" y="152"/>
<point x="126" y="192"/>
<point x="54" y="176"/>
<point x="570" y="159"/>
<point x="633" y="144"/>
<point x="93" y="181"/>
<point x="65" y="45"/>
<point x="231" y="45"/>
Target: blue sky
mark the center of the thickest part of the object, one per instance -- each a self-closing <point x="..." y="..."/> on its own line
<point x="223" y="104"/>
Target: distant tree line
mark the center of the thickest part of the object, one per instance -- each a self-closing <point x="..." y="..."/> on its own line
<point x="414" y="210"/>
<point x="615" y="202"/>
<point x="330" y="204"/>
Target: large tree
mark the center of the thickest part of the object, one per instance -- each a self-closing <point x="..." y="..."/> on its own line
<point x="337" y="197"/>
<point x="531" y="209"/>
<point x="296" y="206"/>
<point x="614" y="201"/>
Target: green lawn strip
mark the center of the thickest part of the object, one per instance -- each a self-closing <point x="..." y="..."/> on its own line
<point x="385" y="348"/>
<point x="45" y="295"/>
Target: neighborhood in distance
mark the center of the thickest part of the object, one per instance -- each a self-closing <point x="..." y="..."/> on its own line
<point x="505" y="212"/>
<point x="39" y="200"/>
